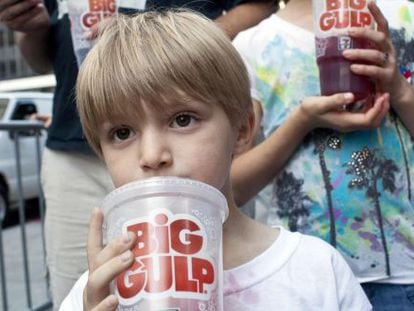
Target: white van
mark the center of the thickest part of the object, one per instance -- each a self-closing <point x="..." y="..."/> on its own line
<point x="19" y="107"/>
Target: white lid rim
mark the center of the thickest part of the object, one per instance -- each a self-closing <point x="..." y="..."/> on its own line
<point x="170" y="185"/>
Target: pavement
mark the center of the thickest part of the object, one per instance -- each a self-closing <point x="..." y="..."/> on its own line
<point x="16" y="289"/>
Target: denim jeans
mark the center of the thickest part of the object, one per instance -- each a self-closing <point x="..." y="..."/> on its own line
<point x="390" y="297"/>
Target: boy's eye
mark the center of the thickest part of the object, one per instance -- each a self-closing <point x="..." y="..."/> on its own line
<point x="183" y="120"/>
<point x="122" y="134"/>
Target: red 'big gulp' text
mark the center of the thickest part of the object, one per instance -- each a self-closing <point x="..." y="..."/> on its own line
<point x="344" y="13"/>
<point x="98" y="10"/>
<point x="168" y="260"/>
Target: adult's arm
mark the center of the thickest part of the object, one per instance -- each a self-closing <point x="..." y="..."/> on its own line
<point x="30" y="21"/>
<point x="245" y="15"/>
<point x="33" y="46"/>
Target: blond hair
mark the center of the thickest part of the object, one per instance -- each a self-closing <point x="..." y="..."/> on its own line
<point x="156" y="57"/>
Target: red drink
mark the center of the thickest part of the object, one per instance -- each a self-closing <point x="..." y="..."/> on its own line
<point x="334" y="70"/>
<point x="331" y="20"/>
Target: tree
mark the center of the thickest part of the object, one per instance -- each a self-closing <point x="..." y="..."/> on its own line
<point x="291" y="200"/>
<point x="323" y="139"/>
<point x="369" y="168"/>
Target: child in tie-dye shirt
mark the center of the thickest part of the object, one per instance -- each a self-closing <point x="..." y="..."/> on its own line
<point x="353" y="189"/>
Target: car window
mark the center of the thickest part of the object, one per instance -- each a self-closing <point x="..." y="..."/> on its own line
<point x="23" y="110"/>
<point x="3" y="106"/>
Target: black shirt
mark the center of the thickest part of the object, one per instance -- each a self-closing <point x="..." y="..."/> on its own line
<point x="65" y="132"/>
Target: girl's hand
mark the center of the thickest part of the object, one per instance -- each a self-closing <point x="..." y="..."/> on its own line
<point x="329" y="112"/>
<point x="382" y="61"/>
<point x="105" y="263"/>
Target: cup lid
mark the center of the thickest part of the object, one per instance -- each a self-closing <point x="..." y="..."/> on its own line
<point x="165" y="185"/>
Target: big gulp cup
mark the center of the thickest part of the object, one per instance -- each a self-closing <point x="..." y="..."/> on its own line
<point x="84" y="14"/>
<point x="331" y="20"/>
<point x="178" y="253"/>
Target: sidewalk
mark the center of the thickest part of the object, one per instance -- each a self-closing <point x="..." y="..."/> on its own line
<point x="14" y="268"/>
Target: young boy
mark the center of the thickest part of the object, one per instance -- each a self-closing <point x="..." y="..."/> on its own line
<point x="167" y="94"/>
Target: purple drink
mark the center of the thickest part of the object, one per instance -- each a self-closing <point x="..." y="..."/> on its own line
<point x="331" y="21"/>
<point x="334" y="70"/>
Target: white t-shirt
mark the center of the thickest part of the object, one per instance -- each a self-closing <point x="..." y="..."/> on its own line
<point x="297" y="272"/>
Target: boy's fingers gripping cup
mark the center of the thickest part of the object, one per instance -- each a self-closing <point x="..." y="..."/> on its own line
<point x="178" y="261"/>
<point x="331" y="21"/>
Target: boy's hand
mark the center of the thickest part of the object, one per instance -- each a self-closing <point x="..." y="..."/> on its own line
<point x="105" y="263"/>
<point x="380" y="62"/>
<point x="24" y="15"/>
<point x="328" y="112"/>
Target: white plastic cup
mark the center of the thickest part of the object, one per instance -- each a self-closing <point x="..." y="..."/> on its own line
<point x="178" y="254"/>
<point x="83" y="16"/>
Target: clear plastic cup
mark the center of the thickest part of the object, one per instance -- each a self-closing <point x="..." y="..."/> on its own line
<point x="178" y="254"/>
<point x="331" y="20"/>
<point x="83" y="16"/>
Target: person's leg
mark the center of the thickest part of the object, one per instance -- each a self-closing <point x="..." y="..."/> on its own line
<point x="390" y="297"/>
<point x="73" y="184"/>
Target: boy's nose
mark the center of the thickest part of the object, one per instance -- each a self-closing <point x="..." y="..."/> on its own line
<point x="155" y="153"/>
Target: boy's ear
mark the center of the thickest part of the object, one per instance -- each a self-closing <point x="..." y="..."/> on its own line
<point x="247" y="132"/>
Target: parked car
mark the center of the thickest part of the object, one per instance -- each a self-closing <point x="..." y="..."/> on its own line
<point x="19" y="107"/>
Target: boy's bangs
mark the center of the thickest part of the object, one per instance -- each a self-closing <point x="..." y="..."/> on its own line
<point x="120" y="82"/>
<point x="159" y="59"/>
<point x="121" y="96"/>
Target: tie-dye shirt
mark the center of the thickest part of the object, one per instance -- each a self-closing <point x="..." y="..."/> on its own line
<point x="354" y="190"/>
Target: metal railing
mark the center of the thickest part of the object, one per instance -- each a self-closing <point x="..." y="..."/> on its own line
<point x="16" y="129"/>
